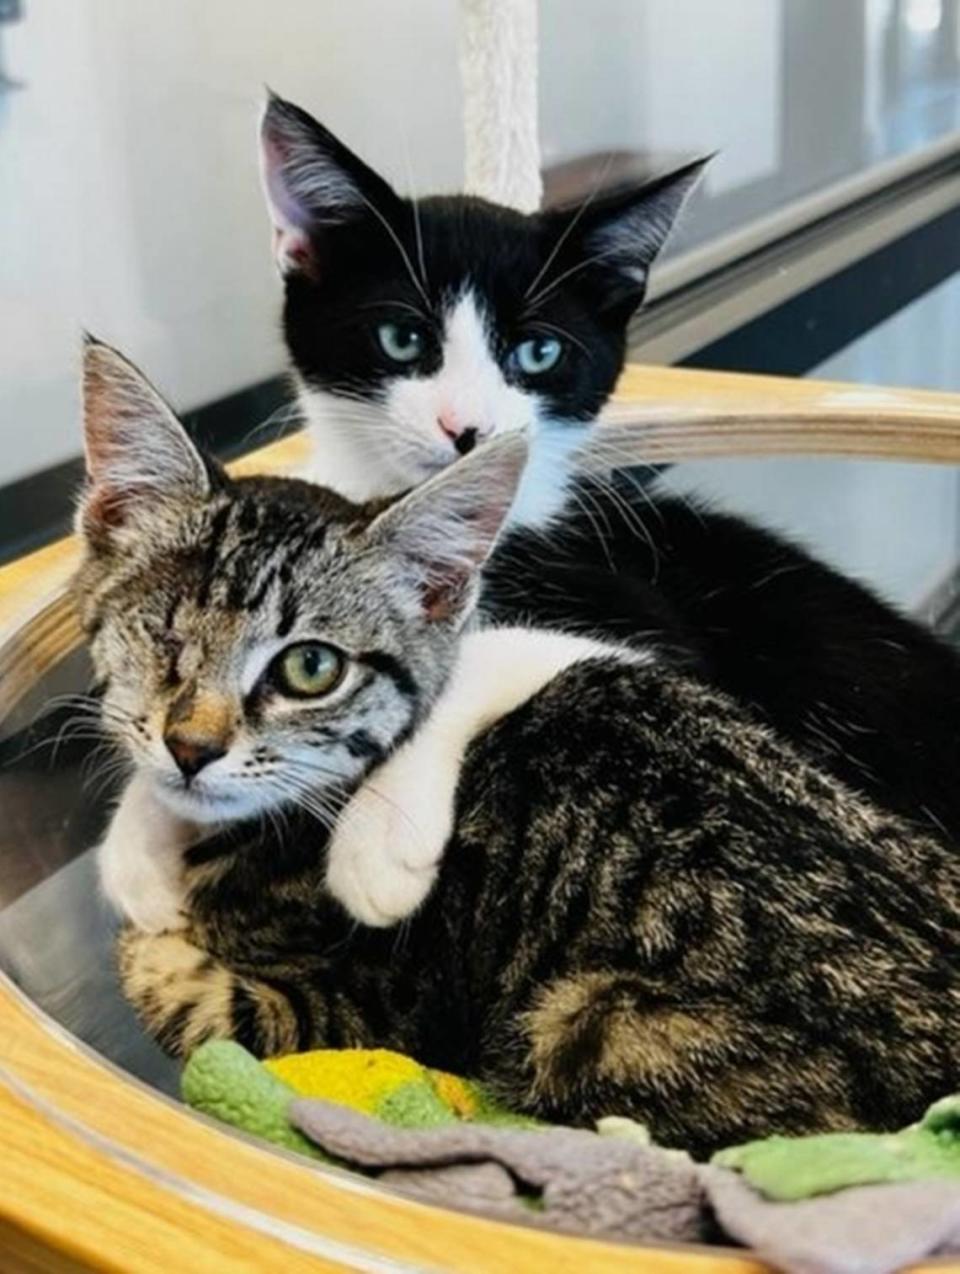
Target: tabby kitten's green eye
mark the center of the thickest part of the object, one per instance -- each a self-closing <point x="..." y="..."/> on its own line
<point x="403" y="342"/>
<point x="308" y="670"/>
<point x="538" y="355"/>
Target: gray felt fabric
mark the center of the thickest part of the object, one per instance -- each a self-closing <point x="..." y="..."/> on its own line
<point x="602" y="1186"/>
<point x="611" y="1187"/>
<point x="863" y="1230"/>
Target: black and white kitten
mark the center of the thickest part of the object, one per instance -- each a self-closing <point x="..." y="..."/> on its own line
<point x="417" y="330"/>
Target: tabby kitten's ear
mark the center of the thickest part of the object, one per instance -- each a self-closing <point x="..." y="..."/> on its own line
<point x="312" y="183"/>
<point x="620" y="234"/>
<point x="136" y="450"/>
<point x="441" y="534"/>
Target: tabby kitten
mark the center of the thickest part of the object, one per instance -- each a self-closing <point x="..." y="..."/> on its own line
<point x="649" y="905"/>
<point x="418" y="329"/>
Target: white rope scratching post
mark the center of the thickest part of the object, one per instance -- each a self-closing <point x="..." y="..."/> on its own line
<point x="498" y="68"/>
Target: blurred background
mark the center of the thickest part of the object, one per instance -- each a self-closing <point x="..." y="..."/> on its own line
<point x="823" y="240"/>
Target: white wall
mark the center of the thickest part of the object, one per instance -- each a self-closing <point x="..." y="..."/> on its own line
<point x="667" y="75"/>
<point x="129" y="197"/>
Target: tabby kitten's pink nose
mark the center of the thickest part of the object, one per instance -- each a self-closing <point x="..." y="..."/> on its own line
<point x="192" y="755"/>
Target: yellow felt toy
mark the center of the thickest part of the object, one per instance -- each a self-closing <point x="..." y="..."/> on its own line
<point x="388" y="1085"/>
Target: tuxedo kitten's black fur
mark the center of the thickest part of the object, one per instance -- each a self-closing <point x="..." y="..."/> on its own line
<point x="870" y="695"/>
<point x="465" y="295"/>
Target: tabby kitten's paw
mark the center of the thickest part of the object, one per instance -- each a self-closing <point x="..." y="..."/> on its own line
<point x="385" y="852"/>
<point x="140" y="861"/>
<point x="180" y="995"/>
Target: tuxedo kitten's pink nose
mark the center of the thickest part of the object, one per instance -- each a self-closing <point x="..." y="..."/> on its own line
<point x="463" y="437"/>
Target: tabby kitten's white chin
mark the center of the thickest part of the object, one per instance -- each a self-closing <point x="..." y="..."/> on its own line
<point x="206" y="801"/>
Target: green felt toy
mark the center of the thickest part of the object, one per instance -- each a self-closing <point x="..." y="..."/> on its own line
<point x="226" y="1082"/>
<point x="789" y="1168"/>
<point x="223" y="1080"/>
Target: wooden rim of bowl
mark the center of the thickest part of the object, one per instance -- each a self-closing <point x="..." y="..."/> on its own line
<point x="104" y="1173"/>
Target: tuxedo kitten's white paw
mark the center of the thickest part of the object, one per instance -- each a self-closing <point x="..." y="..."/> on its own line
<point x="140" y="861"/>
<point x="385" y="852"/>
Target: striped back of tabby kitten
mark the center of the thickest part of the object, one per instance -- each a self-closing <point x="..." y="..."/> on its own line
<point x="649" y="906"/>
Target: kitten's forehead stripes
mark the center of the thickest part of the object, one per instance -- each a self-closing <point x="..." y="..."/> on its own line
<point x="210" y="557"/>
<point x="289" y="611"/>
<point x="252" y="550"/>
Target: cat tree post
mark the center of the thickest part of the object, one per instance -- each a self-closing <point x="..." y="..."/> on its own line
<point x="498" y="68"/>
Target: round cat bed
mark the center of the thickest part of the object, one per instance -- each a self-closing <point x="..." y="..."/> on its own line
<point x="105" y="1168"/>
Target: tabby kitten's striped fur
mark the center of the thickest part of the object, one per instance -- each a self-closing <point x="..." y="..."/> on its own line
<point x="650" y="905"/>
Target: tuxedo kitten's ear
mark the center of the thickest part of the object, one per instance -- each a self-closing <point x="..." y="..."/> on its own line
<point x="136" y="449"/>
<point x="312" y="182"/>
<point x="624" y="231"/>
<point x="442" y="532"/>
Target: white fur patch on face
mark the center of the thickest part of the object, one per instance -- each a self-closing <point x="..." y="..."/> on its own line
<point x="367" y="450"/>
<point x="468" y="392"/>
<point x="357" y="450"/>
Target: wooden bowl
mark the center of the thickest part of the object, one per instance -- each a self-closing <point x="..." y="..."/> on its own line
<point x="102" y="1172"/>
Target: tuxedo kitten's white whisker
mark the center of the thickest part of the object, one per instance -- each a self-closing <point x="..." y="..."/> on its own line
<point x="405" y="256"/>
<point x="569" y="273"/>
<point x="373" y="431"/>
<point x="665" y="481"/>
<point x="578" y="497"/>
<point x="280" y="419"/>
<point x="619" y="451"/>
<point x="630" y="516"/>
<point x="639" y="486"/>
<point x="415" y="202"/>
<point x="390" y="304"/>
<point x="572" y="223"/>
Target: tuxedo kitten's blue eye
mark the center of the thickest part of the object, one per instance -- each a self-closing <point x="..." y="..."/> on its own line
<point x="400" y="341"/>
<point x="538" y="355"/>
<point x="308" y="670"/>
